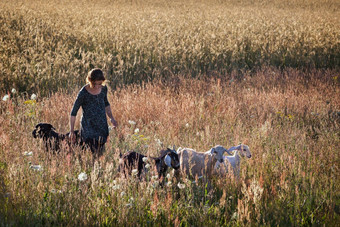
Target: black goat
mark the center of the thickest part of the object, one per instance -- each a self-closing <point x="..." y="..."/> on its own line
<point x="134" y="160"/>
<point x="52" y="139"/>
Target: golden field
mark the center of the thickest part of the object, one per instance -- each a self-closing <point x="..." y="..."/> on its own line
<point x="189" y="74"/>
<point x="52" y="44"/>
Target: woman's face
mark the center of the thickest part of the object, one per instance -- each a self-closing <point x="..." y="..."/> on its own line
<point x="96" y="84"/>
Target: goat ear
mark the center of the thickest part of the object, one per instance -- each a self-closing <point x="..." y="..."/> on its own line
<point x="212" y="151"/>
<point x="174" y="150"/>
<point x="167" y="160"/>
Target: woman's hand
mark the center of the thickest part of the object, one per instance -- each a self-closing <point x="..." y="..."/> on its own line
<point x="114" y="122"/>
<point x="72" y="137"/>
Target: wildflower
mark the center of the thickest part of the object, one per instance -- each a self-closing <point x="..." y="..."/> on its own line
<point x="28" y="153"/>
<point x="114" y="182"/>
<point x="131" y="200"/>
<point x="181" y="186"/>
<point x="5" y="98"/>
<point x="137" y="130"/>
<point x="187" y="125"/>
<point x="30" y="102"/>
<point x="147" y="166"/>
<point x="54" y="191"/>
<point x="168" y="184"/>
<point x="134" y="172"/>
<point x="36" y="167"/>
<point x="168" y="176"/>
<point x="154" y="177"/>
<point x="13" y="91"/>
<point x="116" y="187"/>
<point x="155" y="184"/>
<point x="33" y="97"/>
<point x="159" y="142"/>
<point x="122" y="194"/>
<point x="145" y="159"/>
<point x="234" y="216"/>
<point x="82" y="176"/>
<point x="131" y="122"/>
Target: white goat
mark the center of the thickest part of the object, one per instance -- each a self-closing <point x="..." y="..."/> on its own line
<point x="232" y="161"/>
<point x="193" y="163"/>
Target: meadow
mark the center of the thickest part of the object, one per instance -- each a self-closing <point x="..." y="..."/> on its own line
<point x="190" y="74"/>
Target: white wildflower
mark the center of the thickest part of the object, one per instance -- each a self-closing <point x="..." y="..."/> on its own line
<point x="82" y="176"/>
<point x="155" y="184"/>
<point x="122" y="194"/>
<point x="145" y="159"/>
<point x="134" y="172"/>
<point x="116" y="187"/>
<point x="33" y="97"/>
<point x="181" y="186"/>
<point x="234" y="216"/>
<point x="147" y="166"/>
<point x="168" y="184"/>
<point x="131" y="200"/>
<point x="5" y="98"/>
<point x="36" y="167"/>
<point x="28" y="153"/>
<point x="132" y="122"/>
<point x="13" y="91"/>
<point x="187" y="125"/>
<point x="154" y="177"/>
<point x="159" y="142"/>
<point x="137" y="130"/>
<point x="114" y="182"/>
<point x="54" y="191"/>
<point x="168" y="176"/>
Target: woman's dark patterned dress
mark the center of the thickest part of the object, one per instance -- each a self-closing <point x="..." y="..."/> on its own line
<point x="94" y="124"/>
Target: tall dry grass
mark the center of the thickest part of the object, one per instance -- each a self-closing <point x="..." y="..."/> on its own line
<point x="46" y="45"/>
<point x="289" y="119"/>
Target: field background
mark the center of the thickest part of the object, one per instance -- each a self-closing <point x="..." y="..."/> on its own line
<point x="188" y="73"/>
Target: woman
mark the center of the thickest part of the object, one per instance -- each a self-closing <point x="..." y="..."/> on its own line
<point x="93" y="99"/>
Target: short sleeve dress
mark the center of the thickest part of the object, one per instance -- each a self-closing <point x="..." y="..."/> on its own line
<point x="94" y="124"/>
